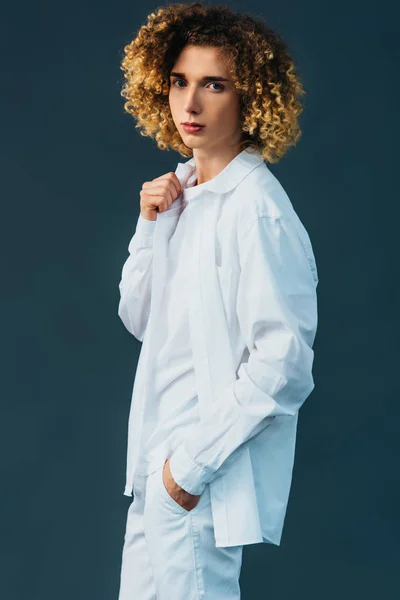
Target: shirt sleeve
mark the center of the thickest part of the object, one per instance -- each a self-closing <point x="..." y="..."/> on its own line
<point x="136" y="276"/>
<point x="276" y="306"/>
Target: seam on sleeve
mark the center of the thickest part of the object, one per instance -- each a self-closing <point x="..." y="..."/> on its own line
<point x="263" y="216"/>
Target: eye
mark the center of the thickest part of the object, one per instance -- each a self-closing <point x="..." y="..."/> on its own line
<point x="176" y="81"/>
<point x="221" y="87"/>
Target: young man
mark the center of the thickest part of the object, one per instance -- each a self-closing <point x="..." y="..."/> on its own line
<point x="220" y="286"/>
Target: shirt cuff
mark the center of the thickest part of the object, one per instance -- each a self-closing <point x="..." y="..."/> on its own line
<point x="144" y="232"/>
<point x="189" y="475"/>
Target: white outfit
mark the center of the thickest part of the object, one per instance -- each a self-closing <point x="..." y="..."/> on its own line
<point x="170" y="554"/>
<point x="251" y="304"/>
<point x="174" y="406"/>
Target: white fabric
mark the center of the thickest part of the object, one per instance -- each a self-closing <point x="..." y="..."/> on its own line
<point x="174" y="397"/>
<point x="170" y="552"/>
<point x="251" y="297"/>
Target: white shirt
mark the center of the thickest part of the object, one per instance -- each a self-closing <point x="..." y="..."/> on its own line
<point x="251" y="298"/>
<point x="174" y="401"/>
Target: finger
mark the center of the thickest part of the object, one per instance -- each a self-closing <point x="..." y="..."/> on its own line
<point x="174" y="179"/>
<point x="160" y="191"/>
<point x="177" y="183"/>
<point x="164" y="190"/>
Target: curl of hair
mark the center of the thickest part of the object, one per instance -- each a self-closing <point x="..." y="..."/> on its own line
<point x="259" y="64"/>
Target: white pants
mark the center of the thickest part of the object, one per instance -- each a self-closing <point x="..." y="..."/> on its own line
<point x="169" y="553"/>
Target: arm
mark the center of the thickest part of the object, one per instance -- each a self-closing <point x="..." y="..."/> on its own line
<point x="277" y="313"/>
<point x="135" y="284"/>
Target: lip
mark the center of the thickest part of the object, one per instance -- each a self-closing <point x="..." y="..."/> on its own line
<point x="192" y="128"/>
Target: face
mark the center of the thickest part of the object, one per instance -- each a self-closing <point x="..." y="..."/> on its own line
<point x="201" y="91"/>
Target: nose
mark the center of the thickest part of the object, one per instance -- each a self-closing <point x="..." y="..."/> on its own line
<point x="191" y="105"/>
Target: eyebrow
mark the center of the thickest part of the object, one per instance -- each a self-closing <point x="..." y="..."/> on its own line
<point x="206" y="78"/>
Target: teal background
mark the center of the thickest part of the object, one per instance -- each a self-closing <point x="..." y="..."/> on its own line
<point x="72" y="166"/>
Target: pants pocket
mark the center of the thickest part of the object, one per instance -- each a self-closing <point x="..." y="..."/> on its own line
<point x="160" y="487"/>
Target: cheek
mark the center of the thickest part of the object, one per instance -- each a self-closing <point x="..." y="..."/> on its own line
<point x="173" y="103"/>
<point x="228" y="114"/>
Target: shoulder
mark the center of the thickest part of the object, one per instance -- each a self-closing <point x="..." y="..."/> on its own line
<point x="260" y="194"/>
<point x="262" y="204"/>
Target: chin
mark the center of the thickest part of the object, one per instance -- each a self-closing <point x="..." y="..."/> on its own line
<point x="189" y="143"/>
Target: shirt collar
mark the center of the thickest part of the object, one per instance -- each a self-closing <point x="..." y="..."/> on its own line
<point x="230" y="176"/>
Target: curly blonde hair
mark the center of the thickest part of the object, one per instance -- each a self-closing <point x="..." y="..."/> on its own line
<point x="258" y="60"/>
